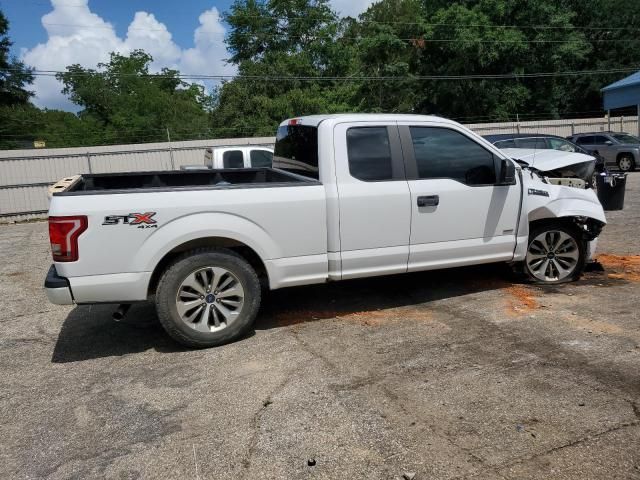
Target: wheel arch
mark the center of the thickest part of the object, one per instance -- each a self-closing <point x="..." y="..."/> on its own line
<point x="245" y="251"/>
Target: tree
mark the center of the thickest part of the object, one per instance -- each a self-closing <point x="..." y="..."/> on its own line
<point x="14" y="75"/>
<point x="127" y="103"/>
<point x="274" y="40"/>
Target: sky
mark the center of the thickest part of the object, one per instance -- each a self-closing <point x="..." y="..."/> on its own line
<point x="187" y="35"/>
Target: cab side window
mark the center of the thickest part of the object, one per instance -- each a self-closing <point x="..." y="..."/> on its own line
<point x="369" y="152"/>
<point x="261" y="158"/>
<point x="445" y="153"/>
<point x="233" y="159"/>
<point x="560" y="144"/>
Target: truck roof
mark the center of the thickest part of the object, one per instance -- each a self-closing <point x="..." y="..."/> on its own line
<point x="315" y="120"/>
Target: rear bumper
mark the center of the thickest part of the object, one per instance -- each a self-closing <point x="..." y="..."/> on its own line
<point x="57" y="288"/>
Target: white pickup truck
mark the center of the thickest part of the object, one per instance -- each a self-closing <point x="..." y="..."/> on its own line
<point x="238" y="157"/>
<point x="349" y="196"/>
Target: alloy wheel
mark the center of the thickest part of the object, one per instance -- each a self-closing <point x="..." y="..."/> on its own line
<point x="553" y="256"/>
<point x="210" y="299"/>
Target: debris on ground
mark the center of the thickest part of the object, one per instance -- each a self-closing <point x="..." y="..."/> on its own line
<point x="625" y="267"/>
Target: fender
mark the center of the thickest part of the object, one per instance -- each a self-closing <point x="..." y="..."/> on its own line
<point x="568" y="207"/>
<point x="202" y="225"/>
<point x="544" y="200"/>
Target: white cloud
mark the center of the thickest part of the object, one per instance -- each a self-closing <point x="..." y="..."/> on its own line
<point x="77" y="35"/>
<point x="351" y="8"/>
<point x="209" y="50"/>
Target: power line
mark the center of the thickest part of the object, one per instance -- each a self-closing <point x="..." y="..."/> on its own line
<point x="502" y="76"/>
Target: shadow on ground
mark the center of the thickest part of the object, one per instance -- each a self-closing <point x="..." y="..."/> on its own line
<point x="89" y="332"/>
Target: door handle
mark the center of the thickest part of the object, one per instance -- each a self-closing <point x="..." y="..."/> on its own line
<point x="429" y="201"/>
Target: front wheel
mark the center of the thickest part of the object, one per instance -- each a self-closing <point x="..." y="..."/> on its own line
<point x="555" y="254"/>
<point x="208" y="297"/>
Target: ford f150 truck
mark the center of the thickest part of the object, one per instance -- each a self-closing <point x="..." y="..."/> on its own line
<point x="349" y="196"/>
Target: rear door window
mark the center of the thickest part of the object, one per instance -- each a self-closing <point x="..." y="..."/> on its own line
<point x="261" y="159"/>
<point x="561" y="144"/>
<point x="534" y="143"/>
<point x="369" y="153"/>
<point x="296" y="150"/>
<point x="233" y="159"/>
<point x="505" y="144"/>
<point x="588" y="140"/>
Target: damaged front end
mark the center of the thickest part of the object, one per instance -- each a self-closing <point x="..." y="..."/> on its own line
<point x="557" y="167"/>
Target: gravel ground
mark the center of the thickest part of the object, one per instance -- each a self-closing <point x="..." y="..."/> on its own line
<point x="454" y="374"/>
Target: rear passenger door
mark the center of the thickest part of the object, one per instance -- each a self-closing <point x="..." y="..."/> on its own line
<point x="459" y="215"/>
<point x="375" y="210"/>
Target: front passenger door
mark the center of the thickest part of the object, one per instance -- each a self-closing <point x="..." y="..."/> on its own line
<point x="459" y="215"/>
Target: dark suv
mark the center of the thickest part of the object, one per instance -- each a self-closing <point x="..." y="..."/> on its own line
<point x="619" y="149"/>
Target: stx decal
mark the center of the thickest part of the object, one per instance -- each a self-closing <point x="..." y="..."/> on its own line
<point x="143" y="218"/>
<point x="140" y="220"/>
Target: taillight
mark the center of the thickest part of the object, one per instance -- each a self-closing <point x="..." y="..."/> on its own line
<point x="63" y="235"/>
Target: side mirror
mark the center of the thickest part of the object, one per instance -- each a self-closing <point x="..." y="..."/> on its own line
<point x="507" y="173"/>
<point x="608" y="142"/>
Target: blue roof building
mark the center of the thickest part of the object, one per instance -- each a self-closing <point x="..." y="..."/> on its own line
<point x="623" y="93"/>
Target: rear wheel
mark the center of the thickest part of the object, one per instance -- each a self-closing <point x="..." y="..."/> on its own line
<point x="626" y="163"/>
<point x="556" y="254"/>
<point x="208" y="297"/>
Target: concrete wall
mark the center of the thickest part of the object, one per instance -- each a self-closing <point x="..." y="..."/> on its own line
<point x="25" y="174"/>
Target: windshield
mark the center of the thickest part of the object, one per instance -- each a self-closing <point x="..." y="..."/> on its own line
<point x="296" y="150"/>
<point x="625" y="138"/>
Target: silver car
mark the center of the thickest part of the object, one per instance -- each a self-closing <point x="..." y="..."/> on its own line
<point x="618" y="149"/>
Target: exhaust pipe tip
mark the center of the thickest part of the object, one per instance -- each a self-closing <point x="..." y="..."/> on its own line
<point x="121" y="312"/>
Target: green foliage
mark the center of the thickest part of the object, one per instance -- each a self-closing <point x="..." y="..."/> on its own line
<point x="401" y="40"/>
<point x="385" y="55"/>
<point x="14" y="76"/>
<point x="129" y="104"/>
<point x="276" y="39"/>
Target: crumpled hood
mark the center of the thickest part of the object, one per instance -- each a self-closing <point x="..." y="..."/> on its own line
<point x="547" y="160"/>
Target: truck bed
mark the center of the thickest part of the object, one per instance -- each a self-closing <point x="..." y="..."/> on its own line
<point x="111" y="183"/>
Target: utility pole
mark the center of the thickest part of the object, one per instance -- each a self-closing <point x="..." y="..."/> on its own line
<point x="173" y="167"/>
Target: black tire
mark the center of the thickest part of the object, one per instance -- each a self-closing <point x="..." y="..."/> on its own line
<point x="570" y="230"/>
<point x="185" y="265"/>
<point x="623" y="166"/>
